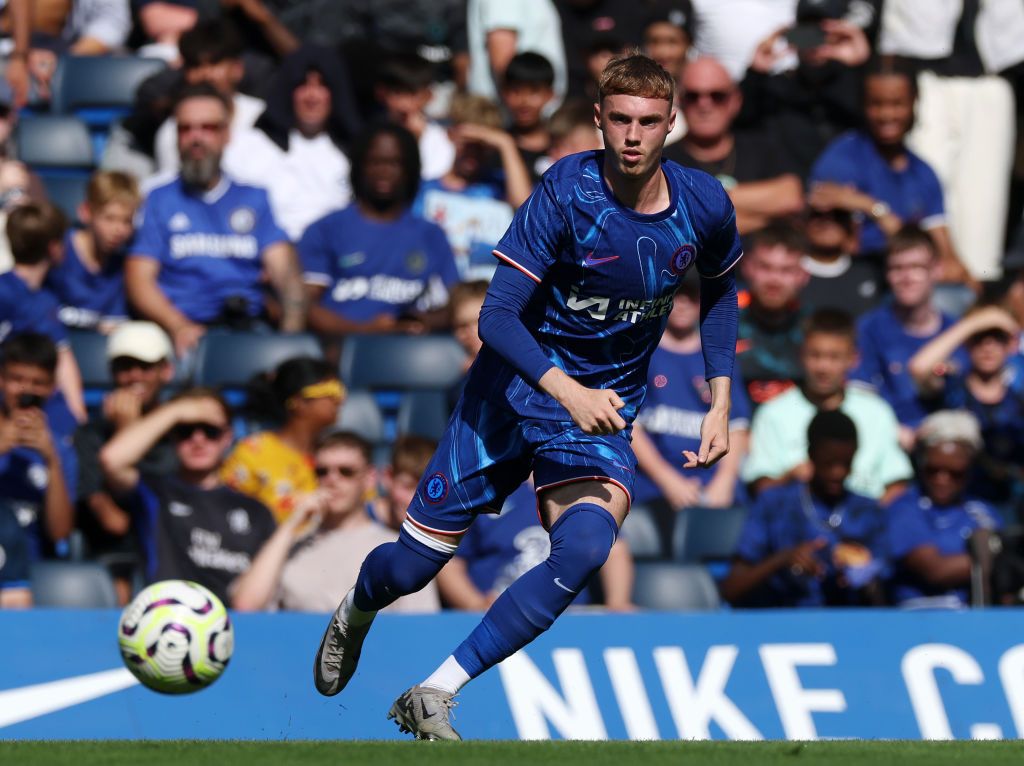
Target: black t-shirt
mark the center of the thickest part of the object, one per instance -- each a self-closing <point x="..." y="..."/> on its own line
<point x="754" y="157"/>
<point x="209" y="536"/>
<point x="853" y="284"/>
<point x="769" y="356"/>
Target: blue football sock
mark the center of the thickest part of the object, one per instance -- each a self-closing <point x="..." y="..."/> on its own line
<point x="580" y="542"/>
<point x="393" y="570"/>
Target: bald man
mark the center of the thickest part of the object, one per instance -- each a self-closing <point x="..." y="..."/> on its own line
<point x="761" y="181"/>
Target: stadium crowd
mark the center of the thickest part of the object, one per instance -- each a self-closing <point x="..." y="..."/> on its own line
<point x="320" y="176"/>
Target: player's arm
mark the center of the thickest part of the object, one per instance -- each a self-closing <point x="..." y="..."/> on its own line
<point x="502" y="329"/>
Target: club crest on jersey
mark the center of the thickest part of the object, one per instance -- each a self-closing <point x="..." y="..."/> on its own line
<point x="436" y="488"/>
<point x="242" y="220"/>
<point x="682" y="258"/>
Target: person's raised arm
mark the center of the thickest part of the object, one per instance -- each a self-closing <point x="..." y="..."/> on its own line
<point x="926" y="365"/>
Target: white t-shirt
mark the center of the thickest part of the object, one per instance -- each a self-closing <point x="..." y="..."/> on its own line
<point x="731" y="30"/>
<point x="437" y="153"/>
<point x="305" y="183"/>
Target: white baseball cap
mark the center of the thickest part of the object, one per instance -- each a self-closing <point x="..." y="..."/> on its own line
<point x="144" y="341"/>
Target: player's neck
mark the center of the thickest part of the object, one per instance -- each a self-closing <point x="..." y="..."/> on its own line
<point x="681" y="343"/>
<point x="32" y="275"/>
<point x="646" y="195"/>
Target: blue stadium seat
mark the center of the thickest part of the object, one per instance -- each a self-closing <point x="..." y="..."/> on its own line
<point x="82" y="584"/>
<point x="55" y="145"/>
<point x="668" y="586"/>
<point x="703" y="535"/>
<point x="401" y="362"/>
<point x="641" y="532"/>
<point x="66" y="192"/>
<point x="90" y="351"/>
<point x="361" y="414"/>
<point x="423" y="413"/>
<point x="232" y="359"/>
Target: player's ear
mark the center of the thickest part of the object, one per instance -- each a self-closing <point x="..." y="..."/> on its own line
<point x="671" y="118"/>
<point x="597" y="114"/>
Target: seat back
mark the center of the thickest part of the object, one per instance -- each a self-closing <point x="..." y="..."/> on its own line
<point x="401" y="362"/>
<point x="361" y="414"/>
<point x="66" y="192"/>
<point x="668" y="586"/>
<point x="423" y="413"/>
<point x="81" y="584"/>
<point x="641" y="532"/>
<point x="701" y="535"/>
<point x="94" y="82"/>
<point x="232" y="359"/>
<point x="55" y="143"/>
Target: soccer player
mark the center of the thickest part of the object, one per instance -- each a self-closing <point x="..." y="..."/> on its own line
<point x="589" y="268"/>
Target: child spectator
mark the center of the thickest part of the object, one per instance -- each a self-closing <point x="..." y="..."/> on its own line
<point x="191" y="526"/>
<point x="141" y="366"/>
<point x="497" y="549"/>
<point x="474" y="202"/>
<point x="311" y="571"/>
<point x="374" y="266"/>
<point x="836" y="277"/>
<point x="466" y="301"/>
<point x="872" y="173"/>
<point x="669" y="422"/>
<point x="573" y="130"/>
<point x="36" y="231"/>
<point x="410" y="455"/>
<point x="668" y="34"/>
<point x="38" y="468"/>
<point x="778" y="443"/>
<point x="527" y="88"/>
<point x="930" y="524"/>
<point x="990" y="386"/>
<point x="891" y="334"/>
<point x="275" y="467"/>
<point x="89" y="281"/>
<point x="812" y="542"/>
<point x="403" y="89"/>
<point x="15" y="592"/>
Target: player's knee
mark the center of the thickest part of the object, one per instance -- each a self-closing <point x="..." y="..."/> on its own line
<point x="583" y="536"/>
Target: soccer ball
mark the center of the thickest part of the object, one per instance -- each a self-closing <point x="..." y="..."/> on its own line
<point x="175" y="637"/>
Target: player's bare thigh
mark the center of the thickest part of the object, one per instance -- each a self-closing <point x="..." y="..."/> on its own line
<point x="555" y="501"/>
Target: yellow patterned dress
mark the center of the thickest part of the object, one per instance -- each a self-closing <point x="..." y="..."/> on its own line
<point x="264" y="467"/>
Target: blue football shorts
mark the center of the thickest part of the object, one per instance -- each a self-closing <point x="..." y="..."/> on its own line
<point x="487" y="451"/>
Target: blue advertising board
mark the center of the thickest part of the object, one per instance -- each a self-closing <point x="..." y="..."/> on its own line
<point x="730" y="675"/>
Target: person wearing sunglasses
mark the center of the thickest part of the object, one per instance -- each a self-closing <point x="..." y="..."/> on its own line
<point x="930" y="525"/>
<point x="276" y="466"/>
<point x="759" y="179"/>
<point x="313" y="558"/>
<point x="190" y="525"/>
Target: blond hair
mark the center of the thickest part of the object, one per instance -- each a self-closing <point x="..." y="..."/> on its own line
<point x="106" y="186"/>
<point x="636" y="75"/>
<point x="474" y="110"/>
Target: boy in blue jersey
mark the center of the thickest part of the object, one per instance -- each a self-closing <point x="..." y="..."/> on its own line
<point x="588" y="272"/>
<point x="205" y="242"/>
<point x="89" y="281"/>
<point x="888" y="336"/>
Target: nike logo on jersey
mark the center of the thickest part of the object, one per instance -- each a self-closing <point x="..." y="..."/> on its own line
<point x="590" y="260"/>
<point x="558" y="582"/>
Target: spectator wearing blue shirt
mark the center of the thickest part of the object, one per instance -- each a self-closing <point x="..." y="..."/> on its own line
<point x="374" y="266"/>
<point x="89" y="281"/>
<point x="872" y="173"/>
<point x="990" y="386"/>
<point x="38" y="466"/>
<point x="205" y="242"/>
<point x="35" y="232"/>
<point x="14" y="562"/>
<point x="474" y="201"/>
<point x="813" y="543"/>
<point x="891" y="334"/>
<point x="499" y="548"/>
<point x="931" y="524"/>
<point x="669" y="421"/>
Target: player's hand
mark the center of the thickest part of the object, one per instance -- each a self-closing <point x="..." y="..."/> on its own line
<point x="596" y="410"/>
<point x="802" y="560"/>
<point x="681" y="492"/>
<point x="714" y="440"/>
<point x="122" y="407"/>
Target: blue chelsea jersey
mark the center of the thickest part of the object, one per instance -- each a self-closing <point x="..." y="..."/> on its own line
<point x="606" y="278"/>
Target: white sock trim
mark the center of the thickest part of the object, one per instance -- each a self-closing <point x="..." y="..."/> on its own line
<point x="433" y="543"/>
<point x="450" y="677"/>
<point x="353" y="615"/>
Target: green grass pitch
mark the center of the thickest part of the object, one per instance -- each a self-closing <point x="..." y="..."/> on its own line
<point x="483" y="753"/>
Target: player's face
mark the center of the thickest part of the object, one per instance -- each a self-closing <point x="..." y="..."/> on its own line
<point x="989" y="352"/>
<point x="634" y="130"/>
<point x="111" y="225"/>
<point x="525" y="103"/>
<point x="145" y="379"/>
<point x="912" y="275"/>
<point x="832" y="461"/>
<point x="667" y="44"/>
<point x="465" y="319"/>
<point x="710" y="100"/>
<point x="685" y="314"/>
<point x="775" y="277"/>
<point x="18" y="378"/>
<point x="945" y="471"/>
<point x="312" y="104"/>
<point x="200" y="447"/>
<point x="383" y="173"/>
<point x="827" y="360"/>
<point x="344" y="477"/>
<point x="889" y="108"/>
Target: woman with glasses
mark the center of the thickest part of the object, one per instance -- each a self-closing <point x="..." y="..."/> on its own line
<point x="304" y="396"/>
<point x="190" y="525"/>
<point x="314" y="556"/>
<point x="931" y="524"/>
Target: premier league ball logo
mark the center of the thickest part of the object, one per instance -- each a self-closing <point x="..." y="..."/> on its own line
<point x="436" y="488"/>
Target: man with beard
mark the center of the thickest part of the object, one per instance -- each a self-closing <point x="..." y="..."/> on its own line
<point x="374" y="266"/>
<point x="205" y="241"/>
